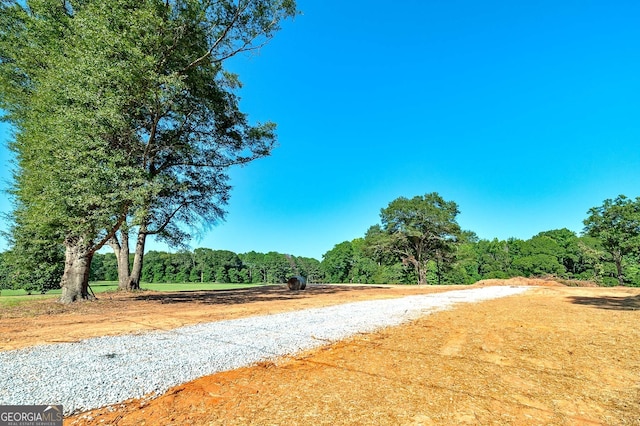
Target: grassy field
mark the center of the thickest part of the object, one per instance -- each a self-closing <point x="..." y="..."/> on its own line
<point x="14" y="297"/>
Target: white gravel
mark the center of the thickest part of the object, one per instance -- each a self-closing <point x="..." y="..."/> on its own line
<point x="106" y="370"/>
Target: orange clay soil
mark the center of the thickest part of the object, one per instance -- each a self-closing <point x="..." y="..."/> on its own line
<point x="553" y="356"/>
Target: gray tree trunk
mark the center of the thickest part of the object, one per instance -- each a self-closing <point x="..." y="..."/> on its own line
<point x="422" y="274"/>
<point x="75" y="279"/>
<point x="121" y="250"/>
<point x="420" y="267"/>
<point x="617" y="258"/>
<point x="138" y="260"/>
<point x="129" y="279"/>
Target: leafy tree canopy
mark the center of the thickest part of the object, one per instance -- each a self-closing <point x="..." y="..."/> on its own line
<point x="418" y="230"/>
<point x="616" y="224"/>
<point x="124" y="113"/>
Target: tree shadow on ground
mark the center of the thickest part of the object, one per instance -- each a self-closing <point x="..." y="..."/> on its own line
<point x="631" y="303"/>
<point x="267" y="293"/>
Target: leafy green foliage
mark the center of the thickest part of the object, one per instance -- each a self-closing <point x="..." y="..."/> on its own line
<point x="35" y="262"/>
<point x="338" y="262"/>
<point x="124" y="114"/>
<point x="186" y="115"/>
<point x="309" y="268"/>
<point x="418" y="231"/>
<point x="419" y="239"/>
<point x="616" y="224"/>
<point x="207" y="265"/>
<point x="64" y="94"/>
<point x="5" y="270"/>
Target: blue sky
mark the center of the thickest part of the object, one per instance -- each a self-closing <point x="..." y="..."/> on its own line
<point x="524" y="113"/>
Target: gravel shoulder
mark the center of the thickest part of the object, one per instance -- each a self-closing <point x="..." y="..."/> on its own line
<point x="96" y="372"/>
<point x="42" y="322"/>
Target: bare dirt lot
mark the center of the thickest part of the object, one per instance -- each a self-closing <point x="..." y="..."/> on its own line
<point x="553" y="356"/>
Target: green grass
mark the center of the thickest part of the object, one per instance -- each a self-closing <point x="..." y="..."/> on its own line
<point x="14" y="300"/>
<point x="15" y="297"/>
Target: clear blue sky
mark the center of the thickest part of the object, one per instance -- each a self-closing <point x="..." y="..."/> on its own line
<point x="525" y="113"/>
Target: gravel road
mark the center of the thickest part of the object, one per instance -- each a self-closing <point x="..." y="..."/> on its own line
<point x="102" y="371"/>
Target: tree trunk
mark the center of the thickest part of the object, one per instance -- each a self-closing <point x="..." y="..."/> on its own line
<point x="138" y="260"/>
<point x="75" y="279"/>
<point x="617" y="258"/>
<point x="422" y="274"/>
<point x="421" y="269"/>
<point x="129" y="279"/>
<point x="121" y="250"/>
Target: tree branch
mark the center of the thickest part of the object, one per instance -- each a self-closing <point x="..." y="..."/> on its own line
<point x="247" y="46"/>
<point x="113" y="231"/>
<point x="220" y="39"/>
<point x="223" y="165"/>
<point x="146" y="158"/>
<point x="167" y="220"/>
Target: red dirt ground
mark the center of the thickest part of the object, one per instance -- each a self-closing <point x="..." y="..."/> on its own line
<point x="555" y="355"/>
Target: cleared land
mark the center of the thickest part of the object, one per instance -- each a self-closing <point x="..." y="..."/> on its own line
<point x="555" y="355"/>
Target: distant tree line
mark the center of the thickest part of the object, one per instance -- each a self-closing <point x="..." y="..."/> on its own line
<point x="417" y="241"/>
<point x="558" y="253"/>
<point x="207" y="265"/>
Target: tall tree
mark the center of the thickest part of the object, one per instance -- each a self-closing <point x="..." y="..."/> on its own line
<point x="363" y="268"/>
<point x="63" y="90"/>
<point x="125" y="118"/>
<point x="278" y="267"/>
<point x="594" y="261"/>
<point x="466" y="266"/>
<point x="5" y="271"/>
<point x="222" y="263"/>
<point x="540" y="255"/>
<point x="418" y="230"/>
<point x="256" y="265"/>
<point x="187" y="116"/>
<point x="616" y="223"/>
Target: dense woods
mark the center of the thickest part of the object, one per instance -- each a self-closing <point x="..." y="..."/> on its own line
<point x="418" y="241"/>
<point x="558" y="253"/>
<point x="207" y="265"/>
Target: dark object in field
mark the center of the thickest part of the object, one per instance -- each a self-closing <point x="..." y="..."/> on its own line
<point x="297" y="283"/>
